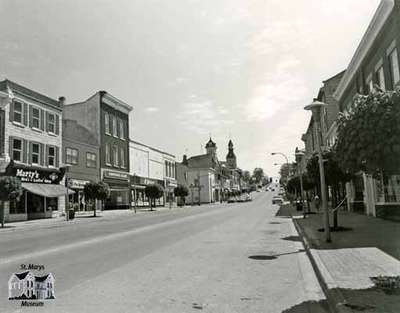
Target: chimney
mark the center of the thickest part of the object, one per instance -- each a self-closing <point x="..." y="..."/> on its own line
<point x="185" y="161"/>
<point x="61" y="101"/>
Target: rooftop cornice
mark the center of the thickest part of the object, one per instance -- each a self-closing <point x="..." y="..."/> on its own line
<point x="375" y="26"/>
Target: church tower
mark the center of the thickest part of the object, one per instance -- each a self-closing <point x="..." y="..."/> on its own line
<point x="231" y="157"/>
<point x="211" y="148"/>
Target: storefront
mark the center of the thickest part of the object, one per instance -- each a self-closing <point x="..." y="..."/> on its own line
<point x="170" y="185"/>
<point x="138" y="196"/>
<point x="78" y="198"/>
<point x="119" y="190"/>
<point x="41" y="194"/>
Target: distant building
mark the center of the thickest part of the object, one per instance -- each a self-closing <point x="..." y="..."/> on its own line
<point x="208" y="179"/>
<point x="106" y="117"/>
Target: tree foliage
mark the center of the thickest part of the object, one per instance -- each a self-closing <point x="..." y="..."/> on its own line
<point x="10" y="188"/>
<point x="369" y="134"/>
<point x="181" y="191"/>
<point x="96" y="191"/>
<point x="153" y="192"/>
<point x="258" y="175"/>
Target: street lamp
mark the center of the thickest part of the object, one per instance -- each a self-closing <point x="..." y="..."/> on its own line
<point x="299" y="155"/>
<point x="287" y="161"/>
<point x="315" y="108"/>
<point x="67" y="208"/>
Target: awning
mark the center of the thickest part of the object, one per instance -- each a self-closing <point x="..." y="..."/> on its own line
<point x="47" y="190"/>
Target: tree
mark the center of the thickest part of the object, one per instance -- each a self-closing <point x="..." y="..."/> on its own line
<point x="181" y="192"/>
<point x="258" y="175"/>
<point x="153" y="192"/>
<point x="335" y="177"/>
<point x="369" y="134"/>
<point x="10" y="190"/>
<point x="96" y="191"/>
<point x="246" y="176"/>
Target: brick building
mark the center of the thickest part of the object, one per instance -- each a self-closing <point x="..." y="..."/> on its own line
<point x="30" y="148"/>
<point x="106" y="117"/>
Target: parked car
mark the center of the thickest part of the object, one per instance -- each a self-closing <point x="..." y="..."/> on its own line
<point x="277" y="200"/>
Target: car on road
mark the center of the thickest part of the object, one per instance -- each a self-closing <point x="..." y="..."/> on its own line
<point x="248" y="197"/>
<point x="277" y="200"/>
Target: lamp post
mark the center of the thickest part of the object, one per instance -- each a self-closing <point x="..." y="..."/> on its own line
<point x="315" y="108"/>
<point x="299" y="155"/>
<point x="287" y="163"/>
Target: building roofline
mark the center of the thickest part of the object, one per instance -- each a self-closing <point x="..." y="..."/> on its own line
<point x="334" y="76"/>
<point x="375" y="26"/>
<point x="152" y="148"/>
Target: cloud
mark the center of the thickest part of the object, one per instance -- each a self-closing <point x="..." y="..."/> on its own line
<point x="151" y="109"/>
<point x="282" y="88"/>
<point x="203" y="117"/>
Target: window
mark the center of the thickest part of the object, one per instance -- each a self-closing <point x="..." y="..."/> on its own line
<point x="107" y="123"/>
<point x="71" y="156"/>
<point x="122" y="157"/>
<point x="18" y="107"/>
<point x="380" y="77"/>
<point x="115" y="127"/>
<point x="51" y="156"/>
<point x="35" y="118"/>
<point x="121" y="129"/>
<point x="108" y="154"/>
<point x="17" y="150"/>
<point x="115" y="156"/>
<point x="394" y="66"/>
<point x="51" y="123"/>
<point x="90" y="159"/>
<point x="35" y="153"/>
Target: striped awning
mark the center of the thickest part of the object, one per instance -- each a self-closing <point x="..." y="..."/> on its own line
<point x="47" y="190"/>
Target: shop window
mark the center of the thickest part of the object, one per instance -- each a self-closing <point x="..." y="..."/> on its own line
<point x="388" y="188"/>
<point x="35" y="118"/>
<point x="121" y="129"/>
<point x="71" y="156"/>
<point x="122" y="157"/>
<point x="115" y="126"/>
<point x="17" y="150"/>
<point x="51" y="123"/>
<point x="107" y="123"/>
<point x="115" y="156"/>
<point x="108" y="154"/>
<point x="18" y="111"/>
<point x="17" y="207"/>
<point x="90" y="160"/>
<point x="394" y="66"/>
<point x="35" y="153"/>
<point x="51" y="156"/>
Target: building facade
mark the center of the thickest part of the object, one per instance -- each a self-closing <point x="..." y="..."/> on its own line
<point x="81" y="154"/>
<point x="106" y="117"/>
<point x="30" y="149"/>
<point x="375" y="63"/>
<point x="149" y="166"/>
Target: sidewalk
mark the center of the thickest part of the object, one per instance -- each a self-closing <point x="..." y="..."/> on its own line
<point x="370" y="247"/>
<point x="85" y="217"/>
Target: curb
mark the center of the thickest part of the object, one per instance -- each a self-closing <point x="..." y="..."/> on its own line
<point x="334" y="297"/>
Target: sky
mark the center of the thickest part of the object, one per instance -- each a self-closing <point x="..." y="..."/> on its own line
<point x="232" y="69"/>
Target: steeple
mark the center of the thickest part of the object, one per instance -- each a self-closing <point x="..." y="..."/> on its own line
<point x="211" y="147"/>
<point x="231" y="157"/>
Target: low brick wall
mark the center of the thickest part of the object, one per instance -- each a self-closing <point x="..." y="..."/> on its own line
<point x="388" y="211"/>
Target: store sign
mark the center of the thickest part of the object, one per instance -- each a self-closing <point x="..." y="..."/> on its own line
<point x="37" y="176"/>
<point x="116" y="175"/>
<point x="77" y="183"/>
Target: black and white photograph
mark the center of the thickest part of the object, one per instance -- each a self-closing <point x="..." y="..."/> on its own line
<point x="200" y="156"/>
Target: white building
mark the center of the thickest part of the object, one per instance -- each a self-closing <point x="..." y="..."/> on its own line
<point x="28" y="286"/>
<point x="148" y="166"/>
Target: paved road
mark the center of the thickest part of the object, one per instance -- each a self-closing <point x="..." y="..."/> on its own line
<point x="189" y="260"/>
